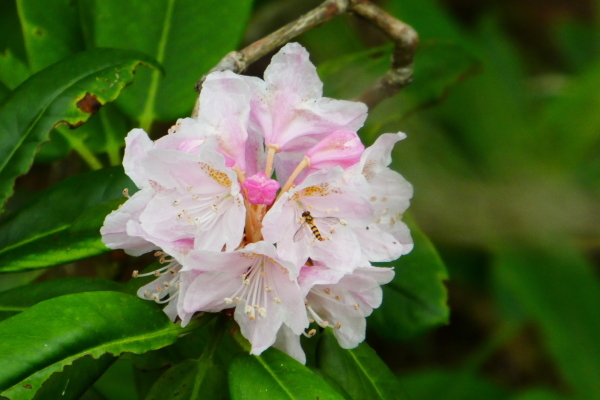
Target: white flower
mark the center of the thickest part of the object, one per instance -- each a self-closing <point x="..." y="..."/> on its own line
<point x="281" y="251"/>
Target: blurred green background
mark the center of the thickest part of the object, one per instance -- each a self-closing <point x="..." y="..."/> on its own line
<point x="503" y="149"/>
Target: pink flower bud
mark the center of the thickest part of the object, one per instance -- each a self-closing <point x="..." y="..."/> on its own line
<point x="342" y="148"/>
<point x="260" y="189"/>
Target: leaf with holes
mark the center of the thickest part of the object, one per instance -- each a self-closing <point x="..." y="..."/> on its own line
<point x="188" y="37"/>
<point x="54" y="333"/>
<point x="68" y="92"/>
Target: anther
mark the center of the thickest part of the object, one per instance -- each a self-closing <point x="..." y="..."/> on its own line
<point x="356" y="307"/>
<point x="135" y="273"/>
<point x="126" y="193"/>
<point x="262" y="312"/>
<point x="327" y="290"/>
<point x="312" y="332"/>
<point x="276" y="300"/>
<point x="228" y="300"/>
<point x="338" y="325"/>
<point x="176" y="202"/>
<point x="338" y="298"/>
<point x="325" y="324"/>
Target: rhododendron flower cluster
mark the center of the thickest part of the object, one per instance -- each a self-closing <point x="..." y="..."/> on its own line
<point x="268" y="203"/>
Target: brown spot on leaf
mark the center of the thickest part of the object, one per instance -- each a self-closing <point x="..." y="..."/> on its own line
<point x="89" y="104"/>
<point x="27" y="387"/>
<point x="38" y="32"/>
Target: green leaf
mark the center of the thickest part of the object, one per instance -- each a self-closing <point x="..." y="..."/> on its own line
<point x="13" y="71"/>
<point x="52" y="334"/>
<point x="359" y="371"/>
<point x="67" y="92"/>
<point x="13" y="280"/>
<point x="191" y="380"/>
<point x="435" y="385"/>
<point x="187" y="37"/>
<point x="51" y="31"/>
<point x="21" y="298"/>
<point x="275" y="375"/>
<point x="75" y="379"/>
<point x="62" y="224"/>
<point x="560" y="290"/>
<point x="416" y="299"/>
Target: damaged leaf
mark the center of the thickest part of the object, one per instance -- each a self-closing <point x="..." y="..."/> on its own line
<point x="68" y="92"/>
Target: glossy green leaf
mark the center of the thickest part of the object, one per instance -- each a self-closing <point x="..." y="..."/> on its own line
<point x="560" y="290"/>
<point x="191" y="380"/>
<point x="359" y="371"/>
<point x="15" y="279"/>
<point x="187" y="37"/>
<point x="63" y="223"/>
<point x="21" y="298"/>
<point x="416" y="299"/>
<point x="51" y="31"/>
<point x="52" y="334"/>
<point x="67" y="92"/>
<point x="75" y="379"/>
<point x="13" y="71"/>
<point x="447" y="385"/>
<point x="275" y="375"/>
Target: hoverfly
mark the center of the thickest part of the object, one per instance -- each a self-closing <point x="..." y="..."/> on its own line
<point x="309" y="222"/>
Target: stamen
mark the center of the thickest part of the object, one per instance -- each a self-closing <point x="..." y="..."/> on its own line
<point x="338" y="325"/>
<point x="327" y="290"/>
<point x="228" y="300"/>
<point x="310" y="333"/>
<point x="272" y="149"/>
<point x="126" y="193"/>
<point x="176" y="203"/>
<point x="303" y="164"/>
<point x="356" y="307"/>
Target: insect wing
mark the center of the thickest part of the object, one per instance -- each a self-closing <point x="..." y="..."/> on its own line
<point x="301" y="232"/>
<point x="327" y="220"/>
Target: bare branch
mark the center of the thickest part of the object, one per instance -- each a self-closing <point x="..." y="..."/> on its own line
<point x="404" y="37"/>
<point x="405" y="46"/>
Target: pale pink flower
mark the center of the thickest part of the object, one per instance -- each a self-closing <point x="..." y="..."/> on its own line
<point x="229" y="239"/>
<point x="330" y="204"/>
<point x="388" y="192"/>
<point x="261" y="286"/>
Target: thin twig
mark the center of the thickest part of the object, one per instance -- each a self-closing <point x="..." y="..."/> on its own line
<point x="404" y="37"/>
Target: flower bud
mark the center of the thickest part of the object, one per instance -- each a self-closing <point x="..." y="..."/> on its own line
<point x="260" y="189"/>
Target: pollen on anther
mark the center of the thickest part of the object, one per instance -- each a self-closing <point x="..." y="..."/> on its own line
<point x="327" y="290"/>
<point x="356" y="307"/>
<point x="338" y="298"/>
<point x="126" y="193"/>
<point x="312" y="332"/>
<point x="228" y="300"/>
<point x="338" y="325"/>
<point x="135" y="273"/>
<point x="276" y="300"/>
<point x="176" y="202"/>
